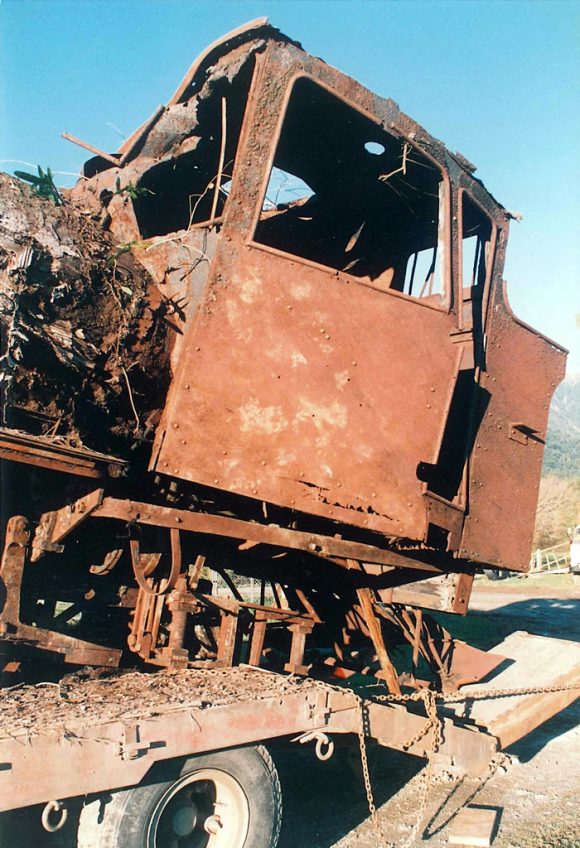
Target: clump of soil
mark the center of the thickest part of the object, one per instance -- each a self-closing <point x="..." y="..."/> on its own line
<point x="84" y="342"/>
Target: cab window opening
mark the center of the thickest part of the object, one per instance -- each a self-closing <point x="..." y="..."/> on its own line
<point x="476" y="238"/>
<point x="345" y="193"/>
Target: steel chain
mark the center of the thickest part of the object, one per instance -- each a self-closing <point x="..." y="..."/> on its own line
<point x="375" y="819"/>
<point x="430" y="700"/>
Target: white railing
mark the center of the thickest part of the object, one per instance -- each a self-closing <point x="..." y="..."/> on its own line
<point x="248" y="587"/>
<point x="556" y="559"/>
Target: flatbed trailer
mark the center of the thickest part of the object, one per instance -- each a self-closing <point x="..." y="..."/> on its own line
<point x="151" y="759"/>
<point x="100" y="737"/>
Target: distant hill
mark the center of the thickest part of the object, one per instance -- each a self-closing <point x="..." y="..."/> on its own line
<point x="562" y="456"/>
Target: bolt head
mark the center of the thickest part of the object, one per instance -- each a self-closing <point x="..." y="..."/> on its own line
<point x="212" y="825"/>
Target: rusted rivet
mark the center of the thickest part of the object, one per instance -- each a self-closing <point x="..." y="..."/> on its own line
<point x="353" y="362"/>
<point x="186" y="386"/>
<point x="176" y="426"/>
<point x="216" y="481"/>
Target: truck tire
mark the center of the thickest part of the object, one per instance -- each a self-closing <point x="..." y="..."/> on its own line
<point x="226" y="799"/>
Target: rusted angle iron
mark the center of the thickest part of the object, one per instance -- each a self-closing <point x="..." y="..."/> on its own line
<point x="12" y="565"/>
<point x="268" y="534"/>
<point x="34" y="450"/>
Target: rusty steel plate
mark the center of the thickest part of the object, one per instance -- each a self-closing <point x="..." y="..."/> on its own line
<point x="295" y="387"/>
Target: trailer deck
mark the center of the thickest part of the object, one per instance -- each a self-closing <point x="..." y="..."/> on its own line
<point x="80" y="737"/>
<point x="90" y="736"/>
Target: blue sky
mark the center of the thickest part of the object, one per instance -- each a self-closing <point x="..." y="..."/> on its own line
<point x="498" y="81"/>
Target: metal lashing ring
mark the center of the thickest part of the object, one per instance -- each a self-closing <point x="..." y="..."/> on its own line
<point x="54" y="807"/>
<point x="324" y="747"/>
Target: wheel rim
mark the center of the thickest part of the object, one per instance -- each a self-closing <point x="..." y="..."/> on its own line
<point x="204" y="809"/>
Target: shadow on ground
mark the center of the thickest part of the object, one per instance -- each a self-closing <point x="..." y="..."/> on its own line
<point x="324" y="801"/>
<point x="557" y="617"/>
<point x="527" y="748"/>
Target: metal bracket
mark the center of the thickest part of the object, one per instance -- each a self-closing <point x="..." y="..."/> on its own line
<point x="53" y="527"/>
<point x="518" y="432"/>
<point x="131" y="746"/>
<point x="447" y="515"/>
<point x="318" y="711"/>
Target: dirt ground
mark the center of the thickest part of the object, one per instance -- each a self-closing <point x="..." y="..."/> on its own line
<point x="535" y="792"/>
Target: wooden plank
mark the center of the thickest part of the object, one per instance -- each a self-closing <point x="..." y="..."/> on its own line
<point x="365" y="600"/>
<point x="539" y="662"/>
<point x="474" y="826"/>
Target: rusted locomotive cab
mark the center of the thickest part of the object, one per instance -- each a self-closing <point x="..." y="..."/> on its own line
<point x="355" y="419"/>
<point x="354" y="355"/>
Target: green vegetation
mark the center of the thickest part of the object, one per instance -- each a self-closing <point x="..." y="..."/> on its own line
<point x="562" y="457"/>
<point x="131" y="190"/>
<point x="558" y="509"/>
<point x="559" y="498"/>
<point x="525" y="584"/>
<point x="482" y="630"/>
<point x="43" y="184"/>
<point x="122" y="248"/>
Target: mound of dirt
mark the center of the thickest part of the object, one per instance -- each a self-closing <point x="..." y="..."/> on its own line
<point x="84" y="341"/>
